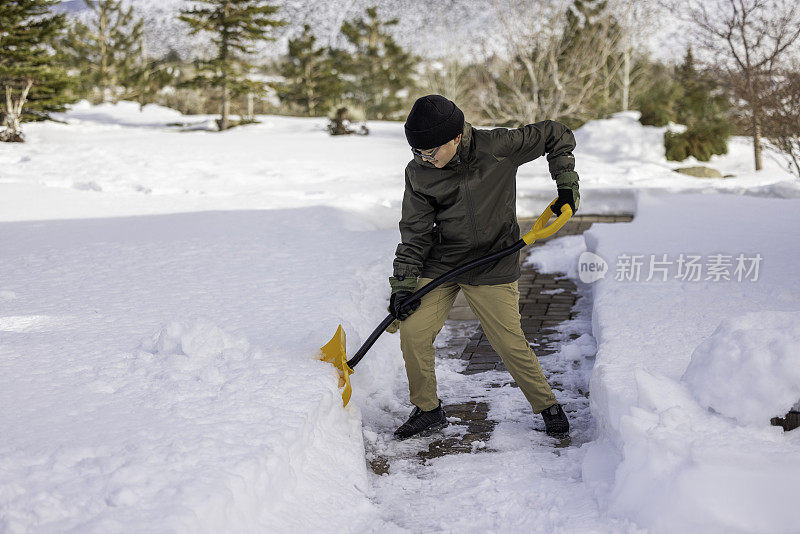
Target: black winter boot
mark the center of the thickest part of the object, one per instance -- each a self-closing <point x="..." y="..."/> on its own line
<point x="555" y="421"/>
<point x="422" y="421"/>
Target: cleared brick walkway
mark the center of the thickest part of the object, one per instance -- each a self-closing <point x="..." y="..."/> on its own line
<point x="545" y="302"/>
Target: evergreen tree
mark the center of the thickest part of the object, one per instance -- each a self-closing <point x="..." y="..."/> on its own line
<point x="686" y="71"/>
<point x="106" y="50"/>
<point x="151" y="75"/>
<point x="701" y="100"/>
<point x="590" y="24"/>
<point x="582" y="17"/>
<point x="380" y="68"/>
<point x="660" y="95"/>
<point x="32" y="84"/>
<point x="704" y="112"/>
<point x="236" y="25"/>
<point x="312" y="79"/>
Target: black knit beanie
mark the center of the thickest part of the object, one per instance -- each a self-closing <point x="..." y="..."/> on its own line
<point x="433" y="121"/>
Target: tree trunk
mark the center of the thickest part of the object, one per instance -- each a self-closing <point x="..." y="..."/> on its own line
<point x="104" y="85"/>
<point x="13" y="133"/>
<point x="13" y="115"/>
<point x="226" y="109"/>
<point x="145" y="80"/>
<point x="626" y="77"/>
<point x="223" y="58"/>
<point x="309" y="91"/>
<point x="251" y="112"/>
<point x="757" y="140"/>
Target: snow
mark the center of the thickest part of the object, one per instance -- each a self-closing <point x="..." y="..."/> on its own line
<point x="755" y="352"/>
<point x="164" y="293"/>
<point x="290" y="162"/>
<point x="160" y="371"/>
<point x="558" y="256"/>
<point x="662" y="458"/>
<point x="618" y="156"/>
<point x="122" y="114"/>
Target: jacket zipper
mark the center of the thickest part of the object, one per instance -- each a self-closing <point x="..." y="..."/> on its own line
<point x="471" y="276"/>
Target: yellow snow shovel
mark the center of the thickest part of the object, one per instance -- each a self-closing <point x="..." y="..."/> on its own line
<point x="334" y="350"/>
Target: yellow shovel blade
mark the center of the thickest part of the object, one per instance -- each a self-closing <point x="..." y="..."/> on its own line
<point x="334" y="352"/>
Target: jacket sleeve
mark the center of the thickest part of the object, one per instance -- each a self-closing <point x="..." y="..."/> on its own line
<point x="534" y="140"/>
<point x="416" y="232"/>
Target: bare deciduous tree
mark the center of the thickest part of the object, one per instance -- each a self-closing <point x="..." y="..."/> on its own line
<point x="636" y="19"/>
<point x="746" y="41"/>
<point x="548" y="74"/>
<point x="452" y="79"/>
<point x="782" y="119"/>
<point x="448" y="78"/>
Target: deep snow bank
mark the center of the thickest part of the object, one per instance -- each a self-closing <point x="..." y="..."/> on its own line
<point x="158" y="374"/>
<point x="757" y="353"/>
<point x="662" y="458"/>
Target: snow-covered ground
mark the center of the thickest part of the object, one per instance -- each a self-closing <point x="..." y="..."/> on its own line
<point x="160" y="372"/>
<point x="163" y="294"/>
<point x="141" y="166"/>
<point x="692" y="365"/>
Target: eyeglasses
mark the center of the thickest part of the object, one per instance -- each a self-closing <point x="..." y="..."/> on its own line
<point x="430" y="156"/>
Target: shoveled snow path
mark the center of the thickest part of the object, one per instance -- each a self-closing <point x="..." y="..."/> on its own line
<point x="520" y="481"/>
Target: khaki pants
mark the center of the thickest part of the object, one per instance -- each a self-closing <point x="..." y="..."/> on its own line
<point x="497" y="308"/>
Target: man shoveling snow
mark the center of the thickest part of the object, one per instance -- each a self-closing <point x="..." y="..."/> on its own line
<point x="460" y="204"/>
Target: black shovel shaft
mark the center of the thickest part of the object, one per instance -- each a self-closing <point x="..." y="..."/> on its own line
<point x="424" y="290"/>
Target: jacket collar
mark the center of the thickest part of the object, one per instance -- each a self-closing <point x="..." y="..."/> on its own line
<point x="464" y="151"/>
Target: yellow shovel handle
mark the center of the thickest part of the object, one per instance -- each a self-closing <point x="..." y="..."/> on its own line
<point x="540" y="231"/>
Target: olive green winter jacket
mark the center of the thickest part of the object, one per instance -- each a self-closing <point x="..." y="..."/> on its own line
<point x="467" y="208"/>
